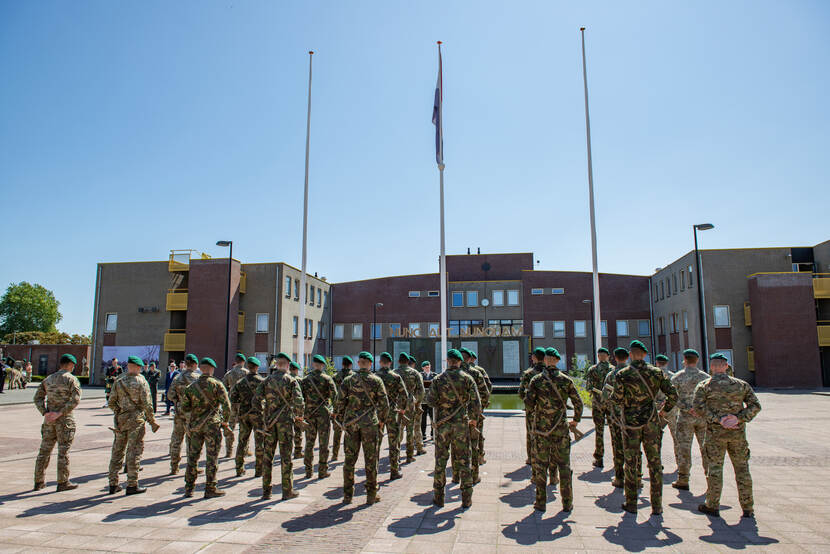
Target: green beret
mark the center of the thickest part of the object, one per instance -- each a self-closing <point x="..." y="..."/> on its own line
<point x="403" y="357"/>
<point x="690" y="353"/>
<point x="320" y="359"/>
<point x="135" y="360"/>
<point x="294" y="365"/>
<point x="426" y="363"/>
<point x="455" y="354"/>
<point x="472" y="354"/>
<point x="621" y="352"/>
<point x="638" y="345"/>
<point x="552" y="352"/>
<point x="283" y="355"/>
<point x="208" y="361"/>
<point x="464" y="351"/>
<point x="241" y="356"/>
<point x="191" y="358"/>
<point x="366" y="356"/>
<point x="539" y="352"/>
<point x="412" y="359"/>
<point x="661" y="358"/>
<point x="254" y="361"/>
<point x="718" y="356"/>
<point x="386" y="355"/>
<point x="602" y="350"/>
<point x="66" y="358"/>
<point x="347" y="360"/>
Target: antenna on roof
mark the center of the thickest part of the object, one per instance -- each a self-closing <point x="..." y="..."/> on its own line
<point x="468" y="251"/>
<point x="478" y="250"/>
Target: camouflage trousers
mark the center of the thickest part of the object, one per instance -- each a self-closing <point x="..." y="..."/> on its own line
<point x="419" y="435"/>
<point x="318" y="430"/>
<point x="249" y="424"/>
<point x="177" y="435"/>
<point x="718" y="442"/>
<point x="228" y="433"/>
<point x="687" y="428"/>
<point x="528" y="436"/>
<point x="481" y="437"/>
<point x="367" y="436"/>
<point x="281" y="434"/>
<point x="648" y="437"/>
<point x="336" y="442"/>
<point x="453" y="436"/>
<point x="474" y="460"/>
<point x="393" y="439"/>
<point x="411" y="433"/>
<point x="298" y="440"/>
<point x="210" y="435"/>
<point x="61" y="432"/>
<point x="600" y="416"/>
<point x="671" y="422"/>
<point x="619" y="454"/>
<point x="130" y="443"/>
<point x="549" y="451"/>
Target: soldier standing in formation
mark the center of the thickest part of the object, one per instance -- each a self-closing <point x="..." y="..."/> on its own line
<point x="414" y="384"/>
<point x="615" y="419"/>
<point x="206" y="404"/>
<point x="528" y="374"/>
<point x="688" y="423"/>
<point x="546" y="398"/>
<point x="132" y="405"/>
<point x="294" y="371"/>
<point x="594" y="380"/>
<point x="249" y="416"/>
<point x="398" y="398"/>
<point x="319" y="393"/>
<point x="175" y="394"/>
<point x="726" y="404"/>
<point x="339" y="377"/>
<point x="280" y="399"/>
<point x="419" y="409"/>
<point x="362" y="408"/>
<point x="485" y="402"/>
<point x="454" y="397"/>
<point x="56" y="397"/>
<point x="475" y="437"/>
<point x="662" y="363"/>
<point x="232" y="377"/>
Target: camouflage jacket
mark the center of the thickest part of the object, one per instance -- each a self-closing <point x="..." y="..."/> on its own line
<point x="395" y="388"/>
<point x="635" y="393"/>
<point x="60" y="392"/>
<point x="363" y="400"/>
<point x="414" y="383"/>
<point x="131" y="402"/>
<point x="179" y="385"/>
<point x="547" y="401"/>
<point x="481" y="384"/>
<point x="205" y="402"/>
<point x="668" y="375"/>
<point x="527" y="375"/>
<point x="319" y="392"/>
<point x="721" y="395"/>
<point x="279" y="398"/>
<point x="454" y="396"/>
<point x="340" y="376"/>
<point x="486" y="377"/>
<point x="242" y="396"/>
<point x="595" y="380"/>
<point x="685" y="382"/>
<point x="232" y="377"/>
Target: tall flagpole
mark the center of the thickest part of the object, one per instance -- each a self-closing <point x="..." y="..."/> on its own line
<point x="597" y="324"/>
<point x="303" y="281"/>
<point x="439" y="151"/>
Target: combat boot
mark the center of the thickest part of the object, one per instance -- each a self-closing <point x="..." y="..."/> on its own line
<point x="258" y="473"/>
<point x="229" y="452"/>
<point x="213" y="492"/>
<point x="629" y="508"/>
<point x="748" y="514"/>
<point x="466" y="499"/>
<point x="266" y="494"/>
<point x="68" y="486"/>
<point x="347" y="498"/>
<point x="681" y="485"/>
<point x="540" y="506"/>
<point x="323" y="474"/>
<point x="438" y="499"/>
<point x="308" y="473"/>
<point x="420" y="452"/>
<point x="240" y="471"/>
<point x="372" y="498"/>
<point x="703" y="508"/>
<point x="174" y="469"/>
<point x="39" y="485"/>
<point x="188" y="492"/>
<point x="288" y="495"/>
<point x="395" y="475"/>
<point x="618" y="483"/>
<point x="135" y="490"/>
<point x="567" y="507"/>
<point x="115" y="488"/>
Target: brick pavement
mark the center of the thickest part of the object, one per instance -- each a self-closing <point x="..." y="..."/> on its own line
<point x="789" y="442"/>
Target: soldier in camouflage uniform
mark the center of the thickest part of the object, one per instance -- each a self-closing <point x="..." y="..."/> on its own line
<point x="414" y="384"/>
<point x="670" y="421"/>
<point x="319" y="393"/>
<point x="528" y="374"/>
<point x="206" y="403"/>
<point x="113" y="373"/>
<point x="454" y="397"/>
<point x="398" y="398"/>
<point x="726" y="404"/>
<point x="131" y="402"/>
<point x="635" y="393"/>
<point x="56" y="397"/>
<point x="362" y="409"/>
<point x="594" y="380"/>
<point x="613" y="412"/>
<point x="475" y="438"/>
<point x="546" y="398"/>
<point x="294" y="371"/>
<point x="484" y="404"/>
<point x="281" y="400"/>
<point x="419" y="409"/>
<point x="231" y="377"/>
<point x="339" y="377"/>
<point x="689" y="424"/>
<point x="249" y="417"/>
<point x="175" y="395"/>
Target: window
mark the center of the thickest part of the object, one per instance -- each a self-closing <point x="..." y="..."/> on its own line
<point x="537" y="292"/>
<point x="434" y="329"/>
<point x="111" y="323"/>
<point x="338" y="331"/>
<point x="414" y="329"/>
<point x="295" y="327"/>
<point x="395" y="329"/>
<point x="321" y="329"/>
<point x="563" y="361"/>
<point x="674" y="283"/>
<point x="662" y="290"/>
<point x="685" y="320"/>
<point x="357" y="331"/>
<point x="690" y="276"/>
<point x="306" y="292"/>
<point x="622" y="328"/>
<point x="580" y="328"/>
<point x="296" y="289"/>
<point x="603" y="328"/>
<point x="263" y="359"/>
<point x="672" y="327"/>
<point x="559" y="290"/>
<point x="376" y="330"/>
<point x="457" y="299"/>
<point x="558" y="329"/>
<point x="325" y="296"/>
<point x="311" y="298"/>
<point x="288" y="287"/>
<point x="722" y="316"/>
<point x="472" y="298"/>
<point x="668" y="287"/>
<point x="660" y="326"/>
<point x="512" y="298"/>
<point x="656" y="293"/>
<point x="309" y="328"/>
<point x="643" y="328"/>
<point x="414" y="294"/>
<point x="262" y="323"/>
<point x="498" y="298"/>
<point x="538" y="329"/>
<point x="433" y="293"/>
<point x="682" y="280"/>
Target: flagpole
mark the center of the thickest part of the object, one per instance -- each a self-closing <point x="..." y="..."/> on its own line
<point x="303" y="280"/>
<point x="597" y="323"/>
<point x="443" y="258"/>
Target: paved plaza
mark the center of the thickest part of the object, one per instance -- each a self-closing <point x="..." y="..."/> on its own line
<point x="790" y="464"/>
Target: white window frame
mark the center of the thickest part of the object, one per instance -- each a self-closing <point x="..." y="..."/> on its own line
<point x="557" y="290"/>
<point x="510" y="294"/>
<point x="538" y="329"/>
<point x="627" y="329"/>
<point x="287" y="282"/>
<point x="296" y="289"/>
<point x="584" y="332"/>
<point x="357" y="331"/>
<point x="647" y="323"/>
<point x="267" y="322"/>
<point x="715" y="316"/>
<point x="471" y="297"/>
<point x="537" y="292"/>
<point x="685" y="320"/>
<point x="295" y="324"/>
<point x="560" y="333"/>
<point x="376" y="330"/>
<point x="321" y="330"/>
<point x="339" y="330"/>
<point x="433" y="293"/>
<point x="498" y="293"/>
<point x="452" y="299"/>
<point x="107" y="327"/>
<point x="414" y="294"/>
<point x="319" y="299"/>
<point x="603" y="328"/>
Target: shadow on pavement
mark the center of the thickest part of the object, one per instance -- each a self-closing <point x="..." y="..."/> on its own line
<point x="428" y="521"/>
<point x="522" y="497"/>
<point x="327" y="517"/>
<point x="241" y="511"/>
<point x="165" y="507"/>
<point x="737" y="536"/>
<point x="636" y="537"/>
<point x="521" y="474"/>
<point x="77" y="505"/>
<point x="534" y="528"/>
<point x="596" y="475"/>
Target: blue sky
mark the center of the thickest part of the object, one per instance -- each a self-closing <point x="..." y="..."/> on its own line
<point x="131" y="128"/>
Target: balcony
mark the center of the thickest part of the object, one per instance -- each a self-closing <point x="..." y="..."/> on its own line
<point x="174" y="340"/>
<point x="750" y="358"/>
<point x="821" y="287"/>
<point x="824" y="333"/>
<point x="179" y="260"/>
<point x="241" y="322"/>
<point x="747" y="314"/>
<point x="176" y="300"/>
<point x="243" y="282"/>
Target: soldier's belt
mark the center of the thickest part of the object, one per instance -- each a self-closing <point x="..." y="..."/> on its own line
<point x="449" y="417"/>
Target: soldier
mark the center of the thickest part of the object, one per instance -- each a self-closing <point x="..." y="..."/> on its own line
<point x="546" y="399"/>
<point x="426" y="412"/>
<point x="484" y="398"/>
<point x="294" y="370"/>
<point x="454" y="397"/>
<point x="113" y="372"/>
<point x="339" y="377"/>
<point x="281" y="400"/>
<point x="232" y="377"/>
<point x="484" y="404"/>
<point x="414" y="384"/>
<point x="132" y="405"/>
<point x="152" y="376"/>
<point x="726" y="404"/>
<point x="176" y="394"/>
<point x="662" y="362"/>
<point x="688" y="423"/>
<point x="319" y="393"/>
<point x="55" y="399"/>
<point x="398" y="398"/>
<point x="594" y="380"/>
<point x="538" y="366"/>
<point x="249" y="417"/>
<point x="419" y="410"/>
<point x="635" y="393"/>
<point x="206" y="403"/>
<point x="362" y="408"/>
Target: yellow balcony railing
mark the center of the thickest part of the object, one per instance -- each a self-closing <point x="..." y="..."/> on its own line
<point x="821" y="287"/>
<point x="243" y="282"/>
<point x="750" y="358"/>
<point x="241" y="322"/>
<point x="174" y="340"/>
<point x="177" y="300"/>
<point x="824" y="335"/>
<point x="179" y="260"/>
<point x="747" y="314"/>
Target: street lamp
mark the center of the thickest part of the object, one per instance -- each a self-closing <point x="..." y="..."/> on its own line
<point x="228" y="243"/>
<point x="593" y="337"/>
<point x="701" y="306"/>
<point x="374" y="323"/>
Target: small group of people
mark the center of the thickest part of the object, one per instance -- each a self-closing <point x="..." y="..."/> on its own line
<point x="150" y="373"/>
<point x="16" y="372"/>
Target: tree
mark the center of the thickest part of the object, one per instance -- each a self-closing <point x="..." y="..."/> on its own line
<point x="26" y="307"/>
<point x="55" y="337"/>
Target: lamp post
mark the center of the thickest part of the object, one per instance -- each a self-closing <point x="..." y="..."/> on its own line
<point x="593" y="338"/>
<point x="701" y="306"/>
<point x="374" y="323"/>
<point x="228" y="243"/>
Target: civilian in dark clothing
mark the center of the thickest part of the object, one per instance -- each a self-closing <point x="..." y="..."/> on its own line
<point x="427" y="374"/>
<point x="172" y="373"/>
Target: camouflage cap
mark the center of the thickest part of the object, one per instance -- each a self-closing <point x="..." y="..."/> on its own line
<point x="602" y="350"/>
<point x="539" y="352"/>
<point x="207" y="361"/>
<point x="691" y="353"/>
<point x="135" y="360"/>
<point x="425" y="363"/>
<point x="638" y="345"/>
<point x="319" y="359"/>
<point x="294" y="365"/>
<point x="254" y="361"/>
<point x="67" y="358"/>
<point x="718" y="356"/>
<point x="454" y="354"/>
<point x="386" y="355"/>
<point x="284" y="356"/>
<point x="240" y="356"/>
<point x="661" y="358"/>
<point x="191" y="358"/>
<point x="347" y="360"/>
<point x="366" y="356"/>
<point x="621" y="352"/>
<point x="553" y="352"/>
